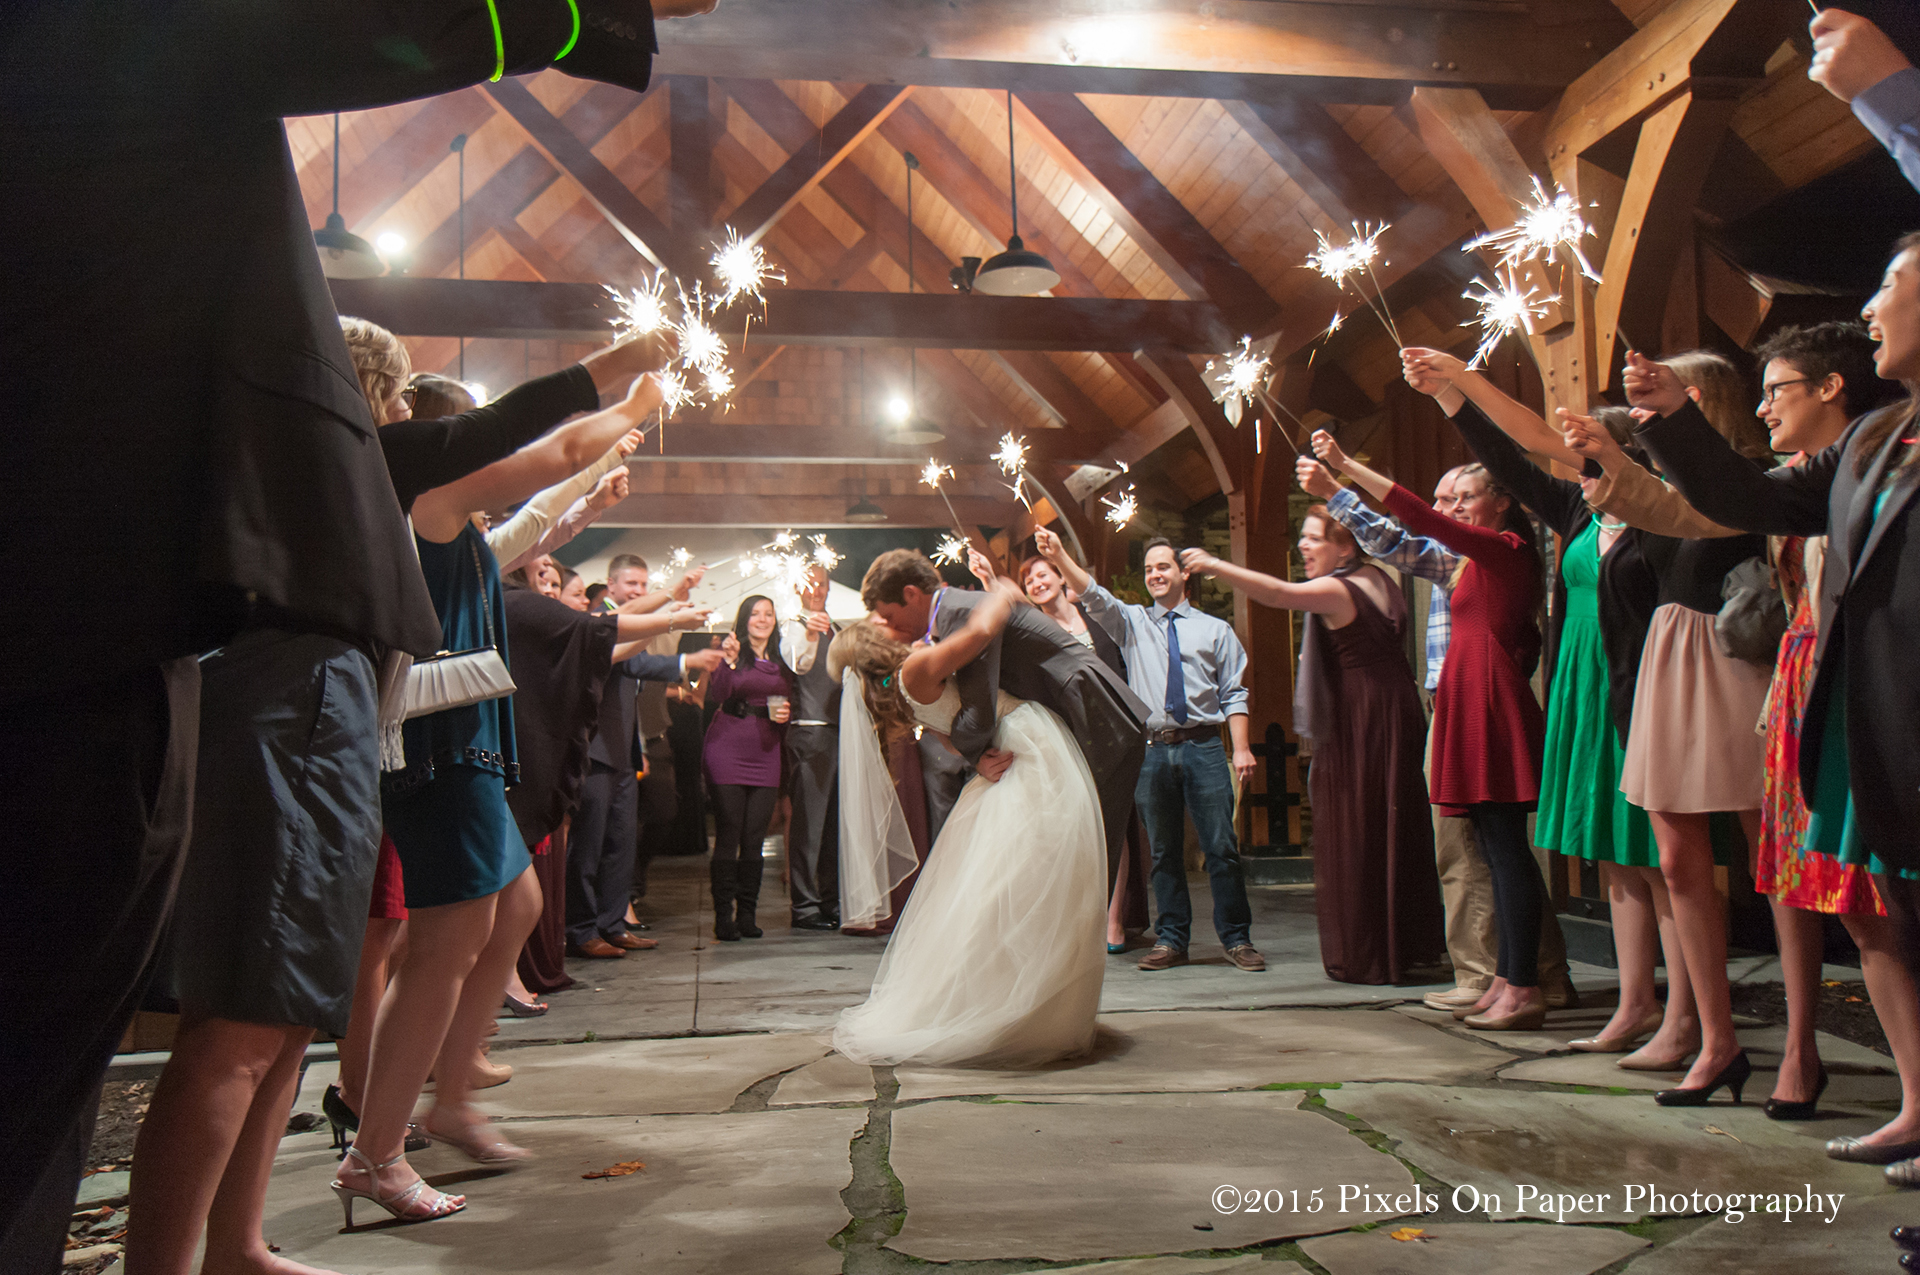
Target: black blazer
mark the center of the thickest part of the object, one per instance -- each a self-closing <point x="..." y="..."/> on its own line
<point x="614" y="738"/>
<point x="1629" y="585"/>
<point x="178" y="411"/>
<point x="1869" y="599"/>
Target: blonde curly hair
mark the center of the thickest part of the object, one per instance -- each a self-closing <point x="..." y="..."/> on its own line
<point x="379" y="359"/>
<point x="877" y="658"/>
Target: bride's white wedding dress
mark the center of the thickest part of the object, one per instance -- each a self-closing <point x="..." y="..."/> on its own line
<point x="997" y="960"/>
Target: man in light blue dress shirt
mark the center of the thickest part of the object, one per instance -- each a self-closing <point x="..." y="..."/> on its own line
<point x="1191" y="668"/>
<point x="1856" y="62"/>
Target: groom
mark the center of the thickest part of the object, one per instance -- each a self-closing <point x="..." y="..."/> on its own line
<point x="1034" y="659"/>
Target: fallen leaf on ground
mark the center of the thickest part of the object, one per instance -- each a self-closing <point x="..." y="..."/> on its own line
<point x="620" y="1170"/>
<point x="1407" y="1234"/>
<point x="1716" y="1129"/>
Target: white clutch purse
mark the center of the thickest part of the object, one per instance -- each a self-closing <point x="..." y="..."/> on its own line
<point x="455" y="679"/>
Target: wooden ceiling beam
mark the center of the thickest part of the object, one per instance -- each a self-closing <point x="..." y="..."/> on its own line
<point x="1152" y="215"/>
<point x="690" y="129"/>
<point x="807" y="166"/>
<point x="408" y="156"/>
<point x="565" y="151"/>
<point x="719" y="439"/>
<point x="1322" y="158"/>
<point x="477" y="308"/>
<point x="1187" y="393"/>
<point x="774" y="510"/>
<point x="1357" y="52"/>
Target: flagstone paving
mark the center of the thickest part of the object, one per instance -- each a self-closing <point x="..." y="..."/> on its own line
<point x="785" y="1157"/>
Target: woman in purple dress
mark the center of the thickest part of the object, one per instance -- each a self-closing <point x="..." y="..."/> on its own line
<point x="753" y="687"/>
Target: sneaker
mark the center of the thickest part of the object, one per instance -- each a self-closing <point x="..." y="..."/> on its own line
<point x="1245" y="957"/>
<point x="1163" y="957"/>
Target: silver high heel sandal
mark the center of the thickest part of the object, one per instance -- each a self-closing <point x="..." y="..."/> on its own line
<point x="401" y="1204"/>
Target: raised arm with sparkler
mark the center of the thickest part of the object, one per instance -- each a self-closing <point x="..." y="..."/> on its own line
<point x="1451" y="382"/>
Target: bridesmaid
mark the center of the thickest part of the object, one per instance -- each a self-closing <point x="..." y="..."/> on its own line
<point x="1487" y="726"/>
<point x="1375" y="887"/>
<point x="1603" y="604"/>
<point x="742" y="758"/>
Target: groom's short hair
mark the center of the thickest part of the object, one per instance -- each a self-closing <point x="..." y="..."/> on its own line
<point x="887" y="579"/>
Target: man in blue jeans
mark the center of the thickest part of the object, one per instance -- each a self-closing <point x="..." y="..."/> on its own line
<point x="1190" y="667"/>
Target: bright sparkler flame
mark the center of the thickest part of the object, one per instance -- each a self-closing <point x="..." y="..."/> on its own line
<point x="1012" y="456"/>
<point x="823" y="555"/>
<point x="932" y="472"/>
<point x="1241" y="374"/>
<point x="1122" y="508"/>
<point x="952" y="551"/>
<point x="1504" y="310"/>
<point x="679" y="559"/>
<point x="743" y="270"/>
<point x="1340" y="262"/>
<point x="674" y="392"/>
<point x="717" y="382"/>
<point x="642" y="310"/>
<point x="1547" y="225"/>
<point x="784" y="541"/>
<point x="700" y="345"/>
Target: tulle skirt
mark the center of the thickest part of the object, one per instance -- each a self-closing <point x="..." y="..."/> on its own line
<point x="998" y="957"/>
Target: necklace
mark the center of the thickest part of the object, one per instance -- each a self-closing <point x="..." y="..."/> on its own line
<point x="1611" y="524"/>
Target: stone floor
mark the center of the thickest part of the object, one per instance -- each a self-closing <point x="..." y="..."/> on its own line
<point x="1227" y="1122"/>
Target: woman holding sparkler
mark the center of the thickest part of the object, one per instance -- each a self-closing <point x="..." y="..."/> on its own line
<point x="742" y="757"/>
<point x="1604" y="598"/>
<point x="1376" y="890"/>
<point x="1487" y="727"/>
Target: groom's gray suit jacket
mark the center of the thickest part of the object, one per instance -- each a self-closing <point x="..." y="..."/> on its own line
<point x="1035" y="659"/>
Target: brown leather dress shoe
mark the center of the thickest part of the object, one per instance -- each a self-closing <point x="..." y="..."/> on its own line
<point x="1246" y="957"/>
<point x="633" y="942"/>
<point x="597" y="949"/>
<point x="1163" y="957"/>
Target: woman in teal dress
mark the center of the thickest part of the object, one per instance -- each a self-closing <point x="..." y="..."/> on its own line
<point x="1860" y="738"/>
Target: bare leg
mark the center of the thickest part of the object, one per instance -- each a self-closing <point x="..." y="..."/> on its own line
<point x="1636" y="942"/>
<point x="1679" y="1033"/>
<point x="515" y="914"/>
<point x="442" y="945"/>
<point x="376" y="950"/>
<point x="1800" y="935"/>
<point x="1896" y="1002"/>
<point x="211" y="1083"/>
<point x="235" y="1243"/>
<point x="1686" y="861"/>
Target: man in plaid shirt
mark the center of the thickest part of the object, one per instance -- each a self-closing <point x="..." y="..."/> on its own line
<point x="1466" y="887"/>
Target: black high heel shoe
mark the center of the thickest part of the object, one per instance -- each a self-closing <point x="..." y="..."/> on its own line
<point x="1733" y="1076"/>
<point x="334" y="1106"/>
<point x="1778" y="1110"/>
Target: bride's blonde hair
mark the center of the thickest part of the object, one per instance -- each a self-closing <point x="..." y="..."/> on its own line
<point x="877" y="658"/>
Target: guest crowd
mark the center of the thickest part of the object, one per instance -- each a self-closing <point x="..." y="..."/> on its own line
<point x="387" y="764"/>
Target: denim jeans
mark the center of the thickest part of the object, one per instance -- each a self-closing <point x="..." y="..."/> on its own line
<point x="1177" y="780"/>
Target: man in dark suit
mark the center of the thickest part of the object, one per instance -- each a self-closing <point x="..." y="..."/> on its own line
<point x="601" y="847"/>
<point x="165" y="312"/>
<point x="1034" y="659"/>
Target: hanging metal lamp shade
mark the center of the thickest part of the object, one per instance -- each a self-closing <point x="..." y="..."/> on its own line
<point x="343" y="254"/>
<point x="1017" y="272"/>
<point x="916" y="429"/>
<point x="864" y="510"/>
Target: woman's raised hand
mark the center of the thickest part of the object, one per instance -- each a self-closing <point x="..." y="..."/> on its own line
<point x="1198" y="560"/>
<point x="1590" y="438"/>
<point x="1314" y="478"/>
<point x="1431" y="372"/>
<point x="1047" y="543"/>
<point x="629" y="443"/>
<point x="981" y="566"/>
<point x="1653" y="385"/>
<point x="1328" y="451"/>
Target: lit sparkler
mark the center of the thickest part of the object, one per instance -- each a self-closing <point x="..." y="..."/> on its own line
<point x="717" y="382"/>
<point x="1547" y="225"/>
<point x="930" y="475"/>
<point x="1342" y="264"/>
<point x="823" y="555"/>
<point x="743" y="270"/>
<point x="1012" y="456"/>
<point x="680" y="559"/>
<point x="951" y="551"/>
<point x="674" y="392"/>
<point x="641" y="310"/>
<point x="1504" y="310"/>
<point x="1241" y="374"/>
<point x="1122" y="508"/>
<point x="700" y="346"/>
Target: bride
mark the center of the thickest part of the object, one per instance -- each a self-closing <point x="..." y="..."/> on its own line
<point x="996" y="961"/>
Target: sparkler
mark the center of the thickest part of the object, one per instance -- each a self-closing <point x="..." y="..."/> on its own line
<point x="951" y="551"/>
<point x="1341" y="264"/>
<point x="1240" y="374"/>
<point x="641" y="310"/>
<point x="930" y="475"/>
<point x="1122" y="508"/>
<point x="743" y="270"/>
<point x="680" y="559"/>
<point x="1504" y="310"/>
<point x="1547" y="226"/>
<point x="1012" y="459"/>
<point x="822" y="555"/>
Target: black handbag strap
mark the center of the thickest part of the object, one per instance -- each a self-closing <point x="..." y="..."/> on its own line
<point x="486" y="603"/>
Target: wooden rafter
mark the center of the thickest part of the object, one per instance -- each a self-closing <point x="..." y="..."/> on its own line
<point x="806" y="167"/>
<point x="1178" y="48"/>
<point x="690" y="189"/>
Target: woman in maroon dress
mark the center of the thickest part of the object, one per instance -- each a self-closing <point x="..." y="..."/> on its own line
<point x="753" y="687"/>
<point x="1488" y="729"/>
<point x="1375" y="889"/>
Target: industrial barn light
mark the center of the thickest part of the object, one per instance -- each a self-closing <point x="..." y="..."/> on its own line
<point x="343" y="254"/>
<point x="1017" y="272"/>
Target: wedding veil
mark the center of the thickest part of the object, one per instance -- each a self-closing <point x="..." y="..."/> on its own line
<point x="876" y="847"/>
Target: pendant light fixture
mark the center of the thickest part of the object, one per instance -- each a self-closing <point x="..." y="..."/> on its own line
<point x="913" y="428"/>
<point x="864" y="510"/>
<point x="343" y="254"/>
<point x="1016" y="272"/>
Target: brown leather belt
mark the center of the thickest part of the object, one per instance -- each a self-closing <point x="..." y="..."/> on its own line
<point x="1183" y="734"/>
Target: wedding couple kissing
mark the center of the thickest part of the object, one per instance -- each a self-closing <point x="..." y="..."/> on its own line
<point x="998" y="957"/>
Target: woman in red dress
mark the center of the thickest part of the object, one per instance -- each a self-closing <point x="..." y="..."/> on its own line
<point x="1487" y="726"/>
